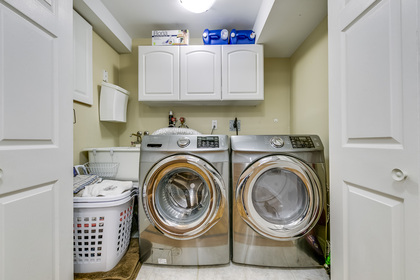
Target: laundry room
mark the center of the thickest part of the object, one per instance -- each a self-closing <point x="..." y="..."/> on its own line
<point x="263" y="139"/>
<point x="295" y="101"/>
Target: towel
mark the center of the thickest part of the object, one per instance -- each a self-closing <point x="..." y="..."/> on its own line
<point x="176" y="131"/>
<point x="107" y="188"/>
<point x="81" y="181"/>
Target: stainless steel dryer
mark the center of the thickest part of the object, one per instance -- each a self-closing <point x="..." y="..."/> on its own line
<point x="183" y="208"/>
<point x="279" y="200"/>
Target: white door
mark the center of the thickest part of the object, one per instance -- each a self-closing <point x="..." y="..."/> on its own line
<point x="201" y="72"/>
<point x="36" y="82"/>
<point x="243" y="72"/>
<point x="374" y="138"/>
<point x="158" y="73"/>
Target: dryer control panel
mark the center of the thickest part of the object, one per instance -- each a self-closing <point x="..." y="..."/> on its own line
<point x="301" y="142"/>
<point x="276" y="143"/>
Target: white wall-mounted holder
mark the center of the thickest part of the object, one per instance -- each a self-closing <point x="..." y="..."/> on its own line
<point x="113" y="103"/>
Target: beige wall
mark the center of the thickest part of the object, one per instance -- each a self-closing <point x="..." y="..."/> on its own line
<point x="89" y="131"/>
<point x="309" y="86"/>
<point x="254" y="119"/>
<point x="296" y="96"/>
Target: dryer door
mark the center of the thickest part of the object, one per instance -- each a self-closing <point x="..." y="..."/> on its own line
<point x="280" y="197"/>
<point x="183" y="196"/>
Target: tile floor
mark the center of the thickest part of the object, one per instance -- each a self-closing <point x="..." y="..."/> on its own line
<point x="230" y="271"/>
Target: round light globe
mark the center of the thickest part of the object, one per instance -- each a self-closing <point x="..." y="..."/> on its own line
<point x="197" y="6"/>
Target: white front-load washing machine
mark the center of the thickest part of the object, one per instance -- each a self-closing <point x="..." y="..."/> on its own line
<point x="279" y="209"/>
<point x="184" y="195"/>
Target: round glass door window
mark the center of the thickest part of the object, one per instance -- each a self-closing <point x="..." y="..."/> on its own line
<point x="279" y="197"/>
<point x="183" y="196"/>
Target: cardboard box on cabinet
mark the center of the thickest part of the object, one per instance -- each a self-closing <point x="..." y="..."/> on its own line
<point x="170" y="37"/>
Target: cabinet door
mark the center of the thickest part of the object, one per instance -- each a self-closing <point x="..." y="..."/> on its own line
<point x="243" y="72"/>
<point x="200" y="72"/>
<point x="158" y="73"/>
<point x="82" y="60"/>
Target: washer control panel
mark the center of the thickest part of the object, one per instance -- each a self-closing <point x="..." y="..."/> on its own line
<point x="277" y="142"/>
<point x="183" y="142"/>
<point x="207" y="142"/>
<point x="301" y="142"/>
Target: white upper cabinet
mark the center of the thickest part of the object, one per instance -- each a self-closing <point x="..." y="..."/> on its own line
<point x="202" y="74"/>
<point x="82" y="60"/>
<point x="243" y="72"/>
<point x="158" y="73"/>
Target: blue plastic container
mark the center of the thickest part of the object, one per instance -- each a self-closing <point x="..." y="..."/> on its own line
<point x="216" y="37"/>
<point x="242" y="37"/>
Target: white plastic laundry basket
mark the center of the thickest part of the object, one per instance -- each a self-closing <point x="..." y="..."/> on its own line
<point x="101" y="231"/>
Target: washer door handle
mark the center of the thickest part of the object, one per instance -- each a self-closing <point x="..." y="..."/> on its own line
<point x="398" y="175"/>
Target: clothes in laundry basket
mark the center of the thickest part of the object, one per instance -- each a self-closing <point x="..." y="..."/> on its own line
<point x="107" y="188"/>
<point x="81" y="181"/>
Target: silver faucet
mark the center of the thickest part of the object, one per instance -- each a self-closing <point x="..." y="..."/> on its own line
<point x="138" y="138"/>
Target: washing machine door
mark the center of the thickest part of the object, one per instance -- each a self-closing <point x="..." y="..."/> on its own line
<point x="183" y="196"/>
<point x="280" y="197"/>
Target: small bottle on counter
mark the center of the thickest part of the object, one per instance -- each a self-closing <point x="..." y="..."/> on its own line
<point x="171" y="116"/>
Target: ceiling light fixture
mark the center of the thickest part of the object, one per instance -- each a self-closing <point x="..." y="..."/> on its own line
<point x="197" y="6"/>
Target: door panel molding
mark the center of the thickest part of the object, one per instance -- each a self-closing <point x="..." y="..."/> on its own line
<point x="372" y="73"/>
<point x="29" y="95"/>
<point x="39" y="201"/>
<point x="354" y="10"/>
<point x="375" y="218"/>
<point x="42" y="12"/>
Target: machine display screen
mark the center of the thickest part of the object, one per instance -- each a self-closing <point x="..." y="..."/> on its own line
<point x="301" y="142"/>
<point x="207" y="142"/>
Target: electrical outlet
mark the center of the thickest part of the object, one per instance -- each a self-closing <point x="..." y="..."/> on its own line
<point x="105" y="76"/>
<point x="232" y="128"/>
<point x="214" y="124"/>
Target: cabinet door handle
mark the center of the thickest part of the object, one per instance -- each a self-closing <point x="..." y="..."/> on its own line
<point x="398" y="175"/>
